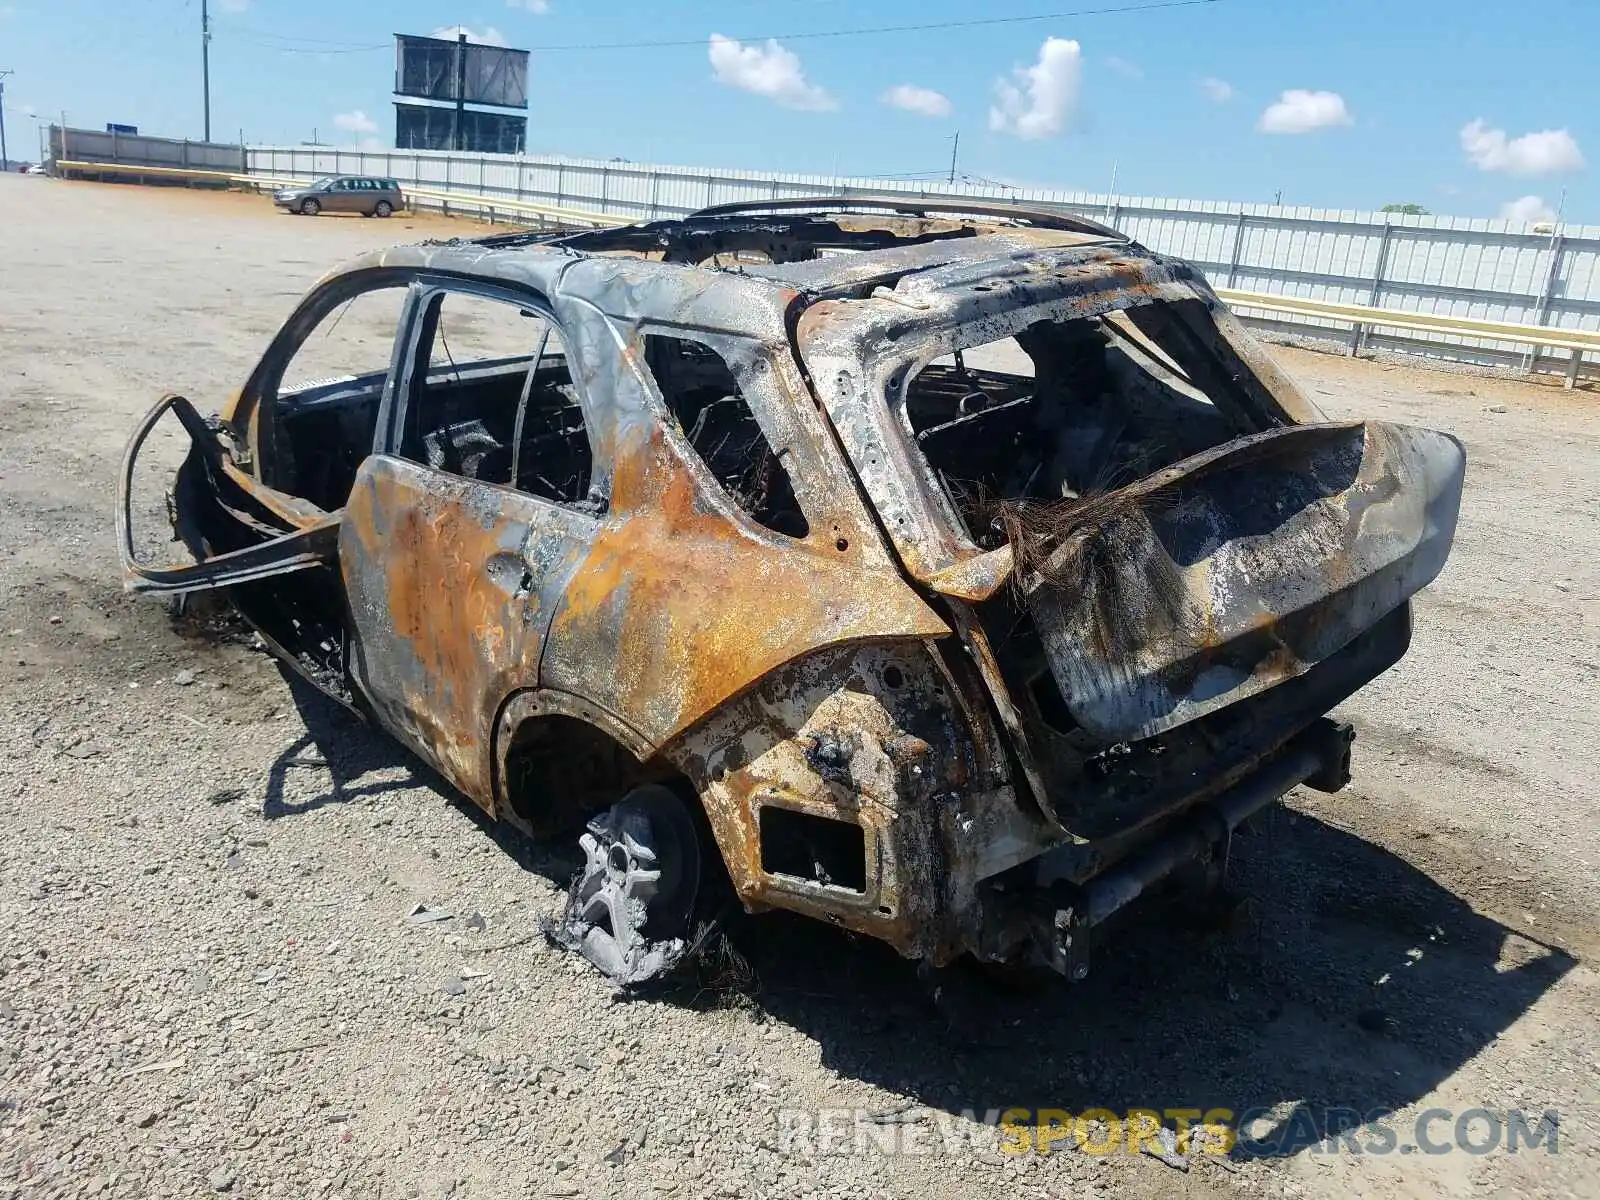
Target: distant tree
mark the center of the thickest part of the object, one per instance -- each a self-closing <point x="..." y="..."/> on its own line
<point x="1408" y="210"/>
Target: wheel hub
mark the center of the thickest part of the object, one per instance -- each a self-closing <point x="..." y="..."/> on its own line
<point x="631" y="908"/>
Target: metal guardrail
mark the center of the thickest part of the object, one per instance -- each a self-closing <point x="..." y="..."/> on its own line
<point x="1577" y="341"/>
<point x="492" y="205"/>
<point x="68" y="166"/>
<point x="495" y="204"/>
<point x="1361" y="317"/>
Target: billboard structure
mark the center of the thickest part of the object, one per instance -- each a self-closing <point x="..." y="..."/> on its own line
<point x="444" y="77"/>
<point x="434" y="127"/>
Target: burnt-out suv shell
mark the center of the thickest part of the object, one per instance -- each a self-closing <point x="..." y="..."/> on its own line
<point x="960" y="658"/>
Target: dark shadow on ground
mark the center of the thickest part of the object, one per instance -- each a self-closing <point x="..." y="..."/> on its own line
<point x="1350" y="982"/>
<point x="341" y="749"/>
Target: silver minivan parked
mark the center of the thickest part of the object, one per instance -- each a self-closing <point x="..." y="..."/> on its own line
<point x="363" y="194"/>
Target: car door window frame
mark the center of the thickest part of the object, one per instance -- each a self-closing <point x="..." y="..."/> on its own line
<point x="411" y="367"/>
<point x="261" y="390"/>
<point x="310" y="539"/>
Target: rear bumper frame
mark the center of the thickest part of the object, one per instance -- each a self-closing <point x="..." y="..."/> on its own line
<point x="1060" y="917"/>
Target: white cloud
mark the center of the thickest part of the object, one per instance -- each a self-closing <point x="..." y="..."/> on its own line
<point x="1301" y="111"/>
<point x="921" y="100"/>
<point x="1039" y="101"/>
<point x="1544" y="153"/>
<point x="355" y="121"/>
<point x="1123" y="67"/>
<point x="541" y="7"/>
<point x="489" y="37"/>
<point x="1527" y="210"/>
<point x="1218" y="90"/>
<point x="769" y="71"/>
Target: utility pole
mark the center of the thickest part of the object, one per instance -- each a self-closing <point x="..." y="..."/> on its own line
<point x="205" y="63"/>
<point x="460" y="139"/>
<point x="954" y="146"/>
<point x="5" y="162"/>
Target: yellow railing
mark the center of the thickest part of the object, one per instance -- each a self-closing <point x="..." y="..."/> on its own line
<point x="1577" y="341"/>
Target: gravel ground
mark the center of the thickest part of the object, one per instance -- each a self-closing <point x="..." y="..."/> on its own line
<point x="211" y="980"/>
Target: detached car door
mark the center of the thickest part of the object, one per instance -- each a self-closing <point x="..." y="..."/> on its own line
<point x="462" y="532"/>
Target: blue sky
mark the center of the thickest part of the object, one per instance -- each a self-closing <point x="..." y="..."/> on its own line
<point x="1463" y="106"/>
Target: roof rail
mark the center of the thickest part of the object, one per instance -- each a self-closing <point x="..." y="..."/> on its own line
<point x="919" y="205"/>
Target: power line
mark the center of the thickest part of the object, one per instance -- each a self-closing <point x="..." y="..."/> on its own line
<point x="301" y="45"/>
<point x="313" y="46"/>
<point x="328" y="48"/>
<point x="879" y="29"/>
<point x="285" y="37"/>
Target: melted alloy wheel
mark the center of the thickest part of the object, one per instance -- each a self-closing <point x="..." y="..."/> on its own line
<point x="631" y="909"/>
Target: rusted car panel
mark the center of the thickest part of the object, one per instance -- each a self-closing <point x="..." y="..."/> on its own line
<point x="721" y="608"/>
<point x="870" y="737"/>
<point x="968" y="571"/>
<point x="452" y="585"/>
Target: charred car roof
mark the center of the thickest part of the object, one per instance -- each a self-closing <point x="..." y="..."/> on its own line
<point x="813" y="254"/>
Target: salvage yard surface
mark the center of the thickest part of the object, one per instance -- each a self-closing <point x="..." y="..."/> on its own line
<point x="249" y="947"/>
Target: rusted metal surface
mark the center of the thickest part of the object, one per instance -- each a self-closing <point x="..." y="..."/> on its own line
<point x="716" y="608"/>
<point x="872" y="736"/>
<point x="972" y="718"/>
<point x="448" y="607"/>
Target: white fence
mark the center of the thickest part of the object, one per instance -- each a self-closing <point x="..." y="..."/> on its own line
<point x="140" y="150"/>
<point x="1446" y="266"/>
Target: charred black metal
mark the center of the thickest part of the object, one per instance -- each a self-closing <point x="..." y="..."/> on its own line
<point x="1061" y="918"/>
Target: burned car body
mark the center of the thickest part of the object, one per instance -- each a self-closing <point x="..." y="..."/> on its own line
<point x="950" y="577"/>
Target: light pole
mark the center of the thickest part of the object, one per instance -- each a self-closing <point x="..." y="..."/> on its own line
<point x="459" y="140"/>
<point x="5" y="161"/>
<point x="205" y="64"/>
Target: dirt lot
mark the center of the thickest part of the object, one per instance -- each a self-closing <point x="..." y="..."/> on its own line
<point x="209" y="982"/>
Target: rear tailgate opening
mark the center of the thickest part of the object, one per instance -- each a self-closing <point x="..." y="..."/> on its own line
<point x="1172" y="549"/>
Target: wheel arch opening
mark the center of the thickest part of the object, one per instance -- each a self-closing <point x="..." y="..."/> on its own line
<point x="558" y="769"/>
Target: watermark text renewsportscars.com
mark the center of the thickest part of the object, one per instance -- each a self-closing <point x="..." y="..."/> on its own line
<point x="1253" y="1133"/>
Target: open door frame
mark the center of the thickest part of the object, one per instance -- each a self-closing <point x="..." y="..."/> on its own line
<point x="291" y="534"/>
